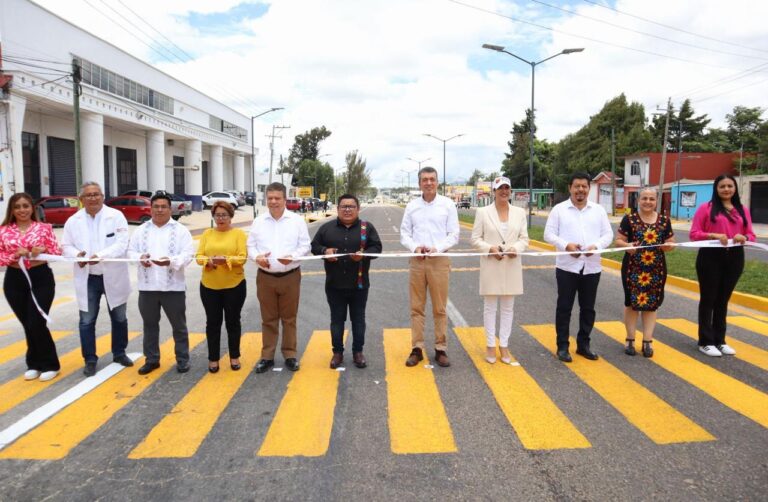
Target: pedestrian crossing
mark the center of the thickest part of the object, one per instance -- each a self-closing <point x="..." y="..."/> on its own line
<point x="418" y="418"/>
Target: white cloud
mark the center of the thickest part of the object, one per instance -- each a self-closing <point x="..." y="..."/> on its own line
<point x="380" y="74"/>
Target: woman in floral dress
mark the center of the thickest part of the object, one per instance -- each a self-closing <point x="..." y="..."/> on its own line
<point x="644" y="271"/>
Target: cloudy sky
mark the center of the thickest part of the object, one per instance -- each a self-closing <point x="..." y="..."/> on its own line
<point x="381" y="73"/>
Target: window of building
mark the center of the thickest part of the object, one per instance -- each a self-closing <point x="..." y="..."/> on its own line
<point x="635" y="168"/>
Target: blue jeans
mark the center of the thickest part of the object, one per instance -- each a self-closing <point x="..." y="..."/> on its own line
<point x="88" y="323"/>
<point x="339" y="300"/>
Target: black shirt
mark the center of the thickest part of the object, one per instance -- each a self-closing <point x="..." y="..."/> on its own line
<point x="342" y="274"/>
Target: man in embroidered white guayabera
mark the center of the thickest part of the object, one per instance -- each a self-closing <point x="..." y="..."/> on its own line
<point x="164" y="248"/>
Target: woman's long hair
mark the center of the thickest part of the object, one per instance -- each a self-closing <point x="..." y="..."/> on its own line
<point x="9" y="217"/>
<point x="717" y="204"/>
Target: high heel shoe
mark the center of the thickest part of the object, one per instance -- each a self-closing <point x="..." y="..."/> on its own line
<point x="506" y="357"/>
<point x="630" y="347"/>
<point x="647" y="349"/>
<point x="234" y="366"/>
<point x="213" y="369"/>
<point x="490" y="355"/>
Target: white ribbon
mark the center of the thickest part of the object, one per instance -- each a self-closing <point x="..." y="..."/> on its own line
<point x="31" y="292"/>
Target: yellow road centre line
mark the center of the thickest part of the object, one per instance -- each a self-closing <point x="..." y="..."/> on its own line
<point x="18" y="349"/>
<point x="56" y="302"/>
<point x="303" y="423"/>
<point x="733" y="393"/>
<point x="744" y="351"/>
<point x="754" y="325"/>
<point x="181" y="432"/>
<point x="417" y="419"/>
<point x="654" y="417"/>
<point x="18" y="390"/>
<point x="55" y="438"/>
<point x="538" y="422"/>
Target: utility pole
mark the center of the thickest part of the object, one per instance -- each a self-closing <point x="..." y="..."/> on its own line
<point x="76" y="91"/>
<point x="613" y="172"/>
<point x="272" y="148"/>
<point x="678" y="171"/>
<point x="664" y="157"/>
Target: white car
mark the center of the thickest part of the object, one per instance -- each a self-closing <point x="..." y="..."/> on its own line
<point x="211" y="197"/>
<point x="239" y="197"/>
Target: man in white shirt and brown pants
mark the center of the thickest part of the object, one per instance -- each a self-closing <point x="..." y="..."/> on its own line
<point x="430" y="225"/>
<point x="164" y="248"/>
<point x="577" y="226"/>
<point x="276" y="237"/>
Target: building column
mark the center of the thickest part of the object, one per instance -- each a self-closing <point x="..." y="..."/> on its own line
<point x="155" y="160"/>
<point x="216" y="167"/>
<point x="193" y="162"/>
<point x="239" y="169"/>
<point x="17" y="107"/>
<point x="92" y="147"/>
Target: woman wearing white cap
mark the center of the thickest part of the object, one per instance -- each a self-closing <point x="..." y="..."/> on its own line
<point x="501" y="231"/>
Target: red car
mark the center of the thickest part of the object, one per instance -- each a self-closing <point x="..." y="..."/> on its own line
<point x="137" y="209"/>
<point x="292" y="204"/>
<point x="58" y="208"/>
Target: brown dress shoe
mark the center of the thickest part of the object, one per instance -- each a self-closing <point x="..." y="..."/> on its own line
<point x="441" y="358"/>
<point x="359" y="359"/>
<point x="415" y="357"/>
<point x="337" y="360"/>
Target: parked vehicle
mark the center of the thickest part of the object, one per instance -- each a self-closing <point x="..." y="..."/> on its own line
<point x="250" y="198"/>
<point x="58" y="208"/>
<point x="179" y="206"/>
<point x="463" y="204"/>
<point x="239" y="197"/>
<point x="144" y="193"/>
<point x="211" y="197"/>
<point x="135" y="208"/>
<point x="293" y="204"/>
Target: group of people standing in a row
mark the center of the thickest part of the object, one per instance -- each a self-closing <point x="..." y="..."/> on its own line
<point x="164" y="248"/>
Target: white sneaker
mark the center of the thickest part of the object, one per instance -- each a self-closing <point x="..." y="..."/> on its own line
<point x="48" y="375"/>
<point x="31" y="374"/>
<point x="711" y="351"/>
<point x="726" y="350"/>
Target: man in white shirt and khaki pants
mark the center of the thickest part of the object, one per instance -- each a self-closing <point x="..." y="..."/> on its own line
<point x="577" y="226"/>
<point x="430" y="225"/>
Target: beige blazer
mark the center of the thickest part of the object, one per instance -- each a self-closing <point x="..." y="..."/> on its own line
<point x="500" y="277"/>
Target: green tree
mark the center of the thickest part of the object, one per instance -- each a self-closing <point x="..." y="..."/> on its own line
<point x="492" y="176"/>
<point x="315" y="174"/>
<point x="693" y="129"/>
<point x="743" y="127"/>
<point x="357" y="176"/>
<point x="515" y="165"/>
<point x="306" y="146"/>
<point x="475" y="177"/>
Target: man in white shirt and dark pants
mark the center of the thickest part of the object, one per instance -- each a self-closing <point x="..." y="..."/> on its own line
<point x="275" y="238"/>
<point x="577" y="226"/>
<point x="164" y="248"/>
<point x="430" y="225"/>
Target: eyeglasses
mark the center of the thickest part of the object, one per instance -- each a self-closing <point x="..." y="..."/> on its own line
<point x="347" y="208"/>
<point x="221" y="216"/>
<point x="92" y="195"/>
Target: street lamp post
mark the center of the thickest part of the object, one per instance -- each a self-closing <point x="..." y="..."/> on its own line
<point x="253" y="156"/>
<point x="445" y="181"/>
<point x="499" y="48"/>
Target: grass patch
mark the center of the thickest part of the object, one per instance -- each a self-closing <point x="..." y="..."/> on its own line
<point x="682" y="263"/>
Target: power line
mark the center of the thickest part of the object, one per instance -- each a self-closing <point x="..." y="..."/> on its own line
<point x="694" y="46"/>
<point x="33" y="65"/>
<point x="603" y="42"/>
<point x="729" y="91"/>
<point x="189" y="57"/>
<point x="722" y="81"/>
<point x="674" y="27"/>
<point x="37" y="60"/>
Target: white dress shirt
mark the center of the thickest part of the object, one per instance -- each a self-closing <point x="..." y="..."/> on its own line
<point x="588" y="226"/>
<point x="172" y="240"/>
<point x="434" y="224"/>
<point x="286" y="236"/>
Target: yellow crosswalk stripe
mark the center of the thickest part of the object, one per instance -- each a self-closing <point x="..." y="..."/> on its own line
<point x="748" y="323"/>
<point x="303" y="422"/>
<point x="18" y="390"/>
<point x="744" y="351"/>
<point x="4" y="333"/>
<point x="55" y="438"/>
<point x="417" y="419"/>
<point x="18" y="349"/>
<point x="181" y="432"/>
<point x="538" y="422"/>
<point x="662" y="423"/>
<point x="56" y="302"/>
<point x="733" y="393"/>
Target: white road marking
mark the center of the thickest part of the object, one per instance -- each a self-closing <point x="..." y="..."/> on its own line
<point x="397" y="230"/>
<point x="46" y="411"/>
<point x="454" y="315"/>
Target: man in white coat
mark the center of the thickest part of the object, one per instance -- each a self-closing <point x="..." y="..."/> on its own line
<point x="98" y="231"/>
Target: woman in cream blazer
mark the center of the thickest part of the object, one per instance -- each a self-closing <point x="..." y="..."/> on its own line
<point x="500" y="230"/>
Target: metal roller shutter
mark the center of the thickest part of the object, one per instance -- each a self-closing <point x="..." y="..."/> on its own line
<point x="61" y="166"/>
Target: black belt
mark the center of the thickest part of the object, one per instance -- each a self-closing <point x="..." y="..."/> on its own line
<point x="278" y="274"/>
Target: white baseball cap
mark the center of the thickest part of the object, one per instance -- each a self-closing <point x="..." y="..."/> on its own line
<point x="501" y="180"/>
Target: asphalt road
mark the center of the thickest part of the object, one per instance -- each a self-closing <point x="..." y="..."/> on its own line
<point x="679" y="426"/>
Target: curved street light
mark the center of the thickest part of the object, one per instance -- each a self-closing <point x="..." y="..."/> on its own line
<point x="253" y="155"/>
<point x="533" y="64"/>
<point x="445" y="181"/>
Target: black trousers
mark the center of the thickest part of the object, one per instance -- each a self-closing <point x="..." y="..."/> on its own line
<point x="568" y="285"/>
<point x="718" y="271"/>
<point x="41" y="351"/>
<point x="223" y="304"/>
<point x="339" y="300"/>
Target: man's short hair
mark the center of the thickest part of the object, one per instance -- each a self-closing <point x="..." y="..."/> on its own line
<point x="579" y="176"/>
<point x="161" y="195"/>
<point x="89" y="184"/>
<point x="426" y="169"/>
<point x="277" y="187"/>
<point x="349" y="196"/>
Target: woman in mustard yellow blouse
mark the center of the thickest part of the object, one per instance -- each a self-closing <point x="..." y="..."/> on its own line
<point x="222" y="253"/>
